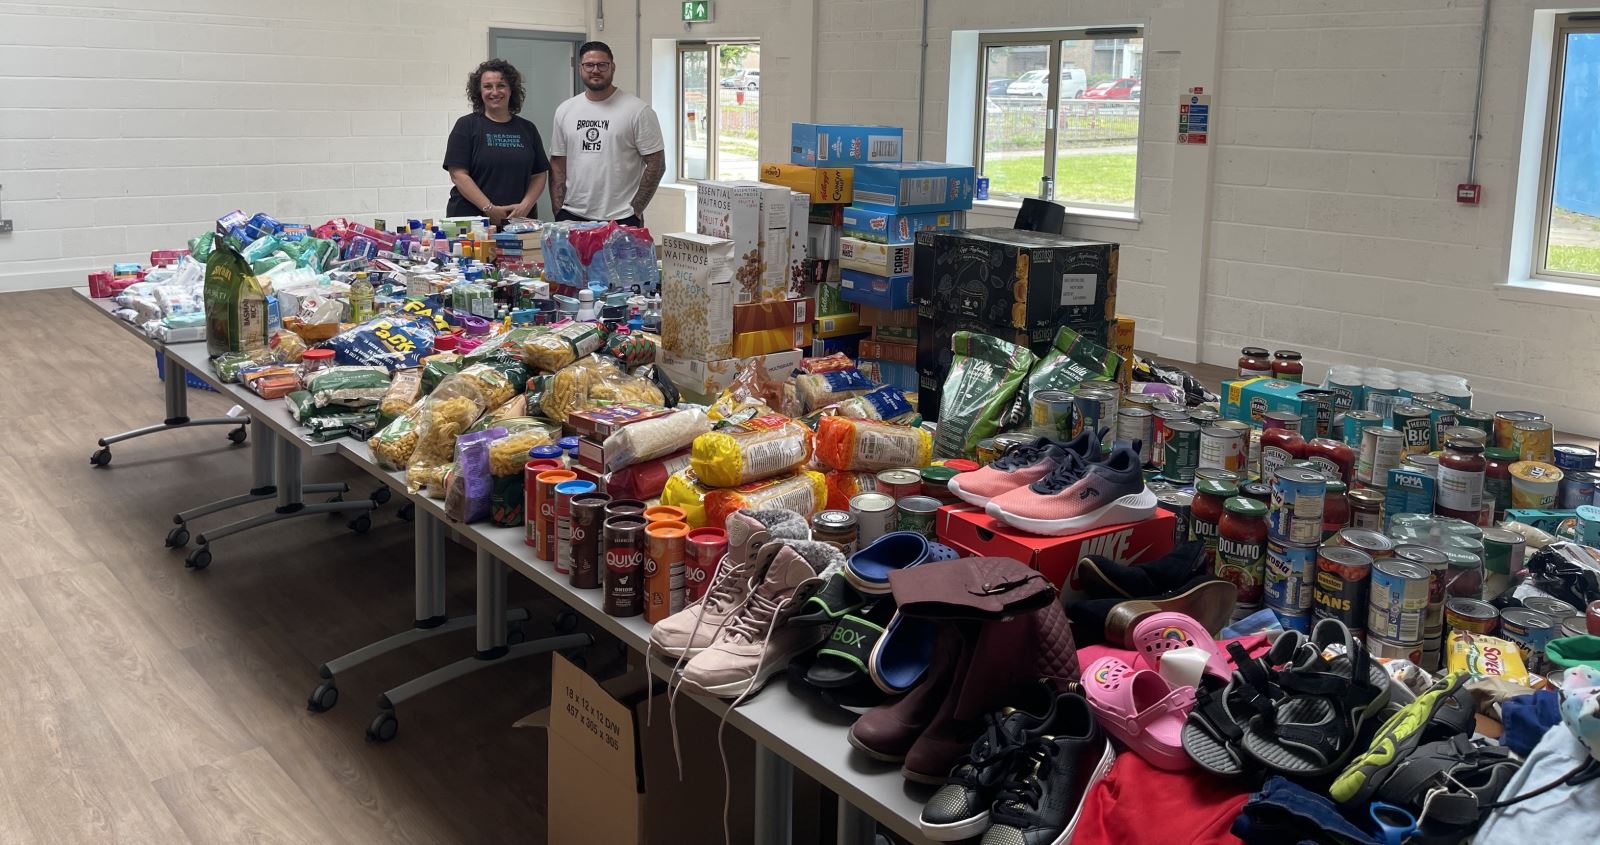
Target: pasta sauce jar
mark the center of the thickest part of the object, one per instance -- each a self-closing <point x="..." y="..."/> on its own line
<point x="1205" y="512"/>
<point x="1241" y="557"/>
<point x="1281" y="442"/>
<point x="1334" y="458"/>
<point x="1286" y="365"/>
<point x="1460" y="480"/>
<point x="1253" y="362"/>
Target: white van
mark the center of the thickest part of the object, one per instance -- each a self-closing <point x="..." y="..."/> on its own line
<point x="1033" y="84"/>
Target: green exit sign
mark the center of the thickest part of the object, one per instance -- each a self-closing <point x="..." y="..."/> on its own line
<point x="696" y="11"/>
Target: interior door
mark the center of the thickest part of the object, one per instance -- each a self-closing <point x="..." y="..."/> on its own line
<point x="548" y="63"/>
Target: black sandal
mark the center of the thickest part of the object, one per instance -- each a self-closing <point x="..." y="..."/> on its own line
<point x="1313" y="728"/>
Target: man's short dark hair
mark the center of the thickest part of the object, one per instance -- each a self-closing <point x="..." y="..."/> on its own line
<point x="596" y="47"/>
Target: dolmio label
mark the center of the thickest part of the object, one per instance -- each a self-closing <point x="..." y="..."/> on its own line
<point x="1242" y="564"/>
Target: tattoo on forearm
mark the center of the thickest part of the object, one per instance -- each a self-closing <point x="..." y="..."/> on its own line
<point x="558" y="184"/>
<point x="655" y="165"/>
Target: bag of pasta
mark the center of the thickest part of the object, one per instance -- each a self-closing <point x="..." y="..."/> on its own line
<point x="803" y="492"/>
<point x="394" y="444"/>
<point x="866" y="445"/>
<point x="508" y="458"/>
<point x="447" y="413"/>
<point x="759" y="448"/>
<point x="595" y="381"/>
<point x="404" y="391"/>
<point x="432" y="479"/>
<point x="819" y="389"/>
<point x="516" y="406"/>
<point x="491" y="383"/>
<point x="552" y="349"/>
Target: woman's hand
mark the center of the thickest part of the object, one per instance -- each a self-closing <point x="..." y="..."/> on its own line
<point x="521" y="209"/>
<point x="498" y="213"/>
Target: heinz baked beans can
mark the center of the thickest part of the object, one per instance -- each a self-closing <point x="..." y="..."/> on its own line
<point x="566" y="491"/>
<point x="588" y="521"/>
<point x="703" y="551"/>
<point x="1415" y="424"/>
<point x="545" y="504"/>
<point x="663" y="569"/>
<point x="624" y="543"/>
<point x="1340" y="591"/>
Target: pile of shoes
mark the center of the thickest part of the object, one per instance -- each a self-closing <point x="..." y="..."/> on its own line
<point x="1053" y="488"/>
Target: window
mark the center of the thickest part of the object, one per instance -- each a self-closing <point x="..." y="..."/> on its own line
<point x="719" y="109"/>
<point x="1569" y="203"/>
<point x="1060" y="116"/>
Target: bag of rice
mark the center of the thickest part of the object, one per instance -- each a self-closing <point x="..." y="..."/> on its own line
<point x="646" y="479"/>
<point x="984" y="377"/>
<point x="759" y="448"/>
<point x="868" y="445"/>
<point x="818" y="389"/>
<point x="803" y="492"/>
<point x="887" y="403"/>
<point x="653" y="438"/>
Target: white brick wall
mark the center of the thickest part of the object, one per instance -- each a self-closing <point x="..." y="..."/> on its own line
<point x="128" y="129"/>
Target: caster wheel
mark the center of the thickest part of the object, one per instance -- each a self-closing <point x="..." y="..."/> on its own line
<point x="383" y="728"/>
<point x="238" y="435"/>
<point x="515" y="634"/>
<point x="409" y="512"/>
<point x="198" y="559"/>
<point x="360" y="524"/>
<point x="323" y="697"/>
<point x="381" y="496"/>
<point x="101" y="458"/>
<point x="178" y="537"/>
<point x="566" y="621"/>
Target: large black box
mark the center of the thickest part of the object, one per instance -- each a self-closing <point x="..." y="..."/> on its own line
<point x="1031" y="281"/>
<point x="934" y="353"/>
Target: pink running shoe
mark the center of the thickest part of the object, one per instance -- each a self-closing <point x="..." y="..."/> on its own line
<point x="1077" y="497"/>
<point x="1023" y="465"/>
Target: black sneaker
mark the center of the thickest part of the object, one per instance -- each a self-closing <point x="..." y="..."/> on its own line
<point x="960" y="809"/>
<point x="1050" y="776"/>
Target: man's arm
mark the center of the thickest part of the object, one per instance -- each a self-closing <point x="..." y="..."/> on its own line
<point x="558" y="183"/>
<point x="655" y="165"/>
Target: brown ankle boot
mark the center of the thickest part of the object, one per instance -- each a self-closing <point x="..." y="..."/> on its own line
<point x="887" y="732"/>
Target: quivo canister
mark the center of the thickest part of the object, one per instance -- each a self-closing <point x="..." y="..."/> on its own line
<point x="663" y="569"/>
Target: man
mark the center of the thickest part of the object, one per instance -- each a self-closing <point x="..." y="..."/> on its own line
<point x="606" y="152"/>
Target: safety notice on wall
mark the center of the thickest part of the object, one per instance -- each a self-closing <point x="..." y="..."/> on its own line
<point x="1194" y="116"/>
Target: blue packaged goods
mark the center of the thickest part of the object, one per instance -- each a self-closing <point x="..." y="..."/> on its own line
<point x="915" y="186"/>
<point x="1249" y="400"/>
<point x="849" y="344"/>
<point x="393" y="342"/>
<point x="843" y="143"/>
<point x="888" y="292"/>
<point x="888" y="227"/>
<point x="1408" y="491"/>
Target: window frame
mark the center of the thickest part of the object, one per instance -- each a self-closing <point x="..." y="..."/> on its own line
<point x="1052" y="39"/>
<point x="1565" y="25"/>
<point x="712" y="47"/>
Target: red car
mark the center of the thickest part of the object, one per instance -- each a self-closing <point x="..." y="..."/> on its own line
<point x="1116" y="89"/>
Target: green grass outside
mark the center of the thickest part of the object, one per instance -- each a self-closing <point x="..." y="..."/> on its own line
<point x="1100" y="178"/>
<point x="1574" y="259"/>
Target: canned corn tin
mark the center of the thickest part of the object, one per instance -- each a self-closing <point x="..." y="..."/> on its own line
<point x="1340" y="590"/>
<point x="1506" y="421"/>
<point x="1570" y="457"/>
<point x="1295" y="513"/>
<point x="1181" y="451"/>
<point x="1354" y="422"/>
<point x="1534" y="440"/>
<point x="1053" y="413"/>
<point x="1290" y="574"/>
<point x="1397" y="602"/>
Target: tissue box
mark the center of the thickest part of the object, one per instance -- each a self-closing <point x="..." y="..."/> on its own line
<point x="842" y="143"/>
<point x="879" y="259"/>
<point x="887" y="227"/>
<point x="697" y="296"/>
<point x="824" y="185"/>
<point x="915" y="186"/>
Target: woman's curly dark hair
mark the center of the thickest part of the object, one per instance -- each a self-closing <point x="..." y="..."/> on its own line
<point x="507" y="72"/>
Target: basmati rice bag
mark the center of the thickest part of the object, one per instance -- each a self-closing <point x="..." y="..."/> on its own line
<point x="984" y="377"/>
<point x="818" y="389"/>
<point x="653" y="438"/>
<point x="804" y="492"/>
<point x="759" y="448"/>
<point x="868" y="445"/>
<point x="844" y="486"/>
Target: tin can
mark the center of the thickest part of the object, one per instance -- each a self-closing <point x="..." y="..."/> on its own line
<point x="1256" y="490"/>
<point x="661" y="513"/>
<point x="1382" y="395"/>
<point x="1348" y="393"/>
<point x="1423" y="463"/>
<point x="1587" y="525"/>
<point x="1470" y="615"/>
<point x="1570" y="457"/>
<point x="1177" y="503"/>
<point x="1355" y="422"/>
<point x="1204" y="416"/>
<point x="899" y="483"/>
<point x="1549" y="606"/>
<point x="1375" y="544"/>
<point x="1397" y="601"/>
<point x="1577" y="488"/>
<point x="1480" y="420"/>
<point x="1438" y="564"/>
<point x="919" y="514"/>
<point x="1317" y="403"/>
<point x="663" y="569"/>
<point x="566" y="491"/>
<point x="1415" y="424"/>
<point x="1223" y="448"/>
<point x="1181" y="451"/>
<point x="1457" y="394"/>
<point x="1216" y="474"/>
<point x="936" y="484"/>
<point x="1464" y="432"/>
<point x="836" y="527"/>
<point x="1380" y="452"/>
<point x="1503" y="551"/>
<point x="1164" y="420"/>
<point x="703" y="551"/>
<point x="1095" y="406"/>
<point x="1366" y="508"/>
<point x="1340" y="591"/>
<point x="588" y="523"/>
<point x="988" y="451"/>
<point x="1534" y="440"/>
<point x="1576" y="626"/>
<point x="624" y="543"/>
<point x="545" y="506"/>
<point x="959" y="464"/>
<point x="1294" y="621"/>
<point x="1443" y="415"/>
<point x="1053" y="413"/>
<point x="1137" y="425"/>
<point x="1140" y="400"/>
<point x="1534" y="484"/>
<point x="1506" y="421"/>
<point x="1531" y="632"/>
<point x="1290" y="576"/>
<point x="1384" y="649"/>
<point x="1295" y="513"/>
<point x="875" y="516"/>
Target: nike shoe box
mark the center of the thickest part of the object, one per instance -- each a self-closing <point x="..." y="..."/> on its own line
<point x="974" y="533"/>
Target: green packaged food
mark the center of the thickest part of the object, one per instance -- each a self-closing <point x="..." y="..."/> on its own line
<point x="230" y="366"/>
<point x="984" y="377"/>
<point x="349" y="387"/>
<point x="1072" y="360"/>
<point x="200" y="246"/>
<point x="436" y="367"/>
<point x="236" y="305"/>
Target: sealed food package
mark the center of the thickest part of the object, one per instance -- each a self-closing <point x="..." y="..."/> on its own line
<point x="506" y="345"/>
<point x="393" y="445"/>
<point x="349" y="387"/>
<point x="818" y="389"/>
<point x="405" y="388"/>
<point x="468" y="485"/>
<point x="633" y="349"/>
<point x="446" y="414"/>
<point x="231" y="366"/>
<point x="429" y="478"/>
<point x="287" y="347"/>
<point x="516" y="406"/>
<point x="235" y="303"/>
<point x="844" y="485"/>
<point x="1071" y="361"/>
<point x="492" y="384"/>
<point x="646" y="479"/>
<point x="753" y="387"/>
<point x="436" y="367"/>
<point x="861" y="445"/>
<point x="803" y="492"/>
<point x="759" y="448"/>
<point x="836" y="362"/>
<point x="887" y="403"/>
<point x="594" y="381"/>
<point x="508" y="454"/>
<point x="653" y="438"/>
<point x="390" y="342"/>
<point x="1484" y="656"/>
<point x="552" y="349"/>
<point x="984" y="377"/>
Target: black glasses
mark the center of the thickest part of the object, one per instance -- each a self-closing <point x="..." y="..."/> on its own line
<point x="595" y="65"/>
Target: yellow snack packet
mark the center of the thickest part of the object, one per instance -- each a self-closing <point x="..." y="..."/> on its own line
<point x="1484" y="656"/>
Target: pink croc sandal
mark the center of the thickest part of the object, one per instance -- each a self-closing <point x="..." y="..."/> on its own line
<point x="1140" y="708"/>
<point x="1161" y="632"/>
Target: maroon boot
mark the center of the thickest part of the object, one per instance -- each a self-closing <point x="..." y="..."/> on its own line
<point x="887" y="732"/>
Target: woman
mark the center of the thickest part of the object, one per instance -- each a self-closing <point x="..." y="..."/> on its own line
<point x="496" y="160"/>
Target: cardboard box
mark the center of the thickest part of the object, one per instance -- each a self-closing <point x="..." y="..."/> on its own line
<point x="600" y="423"/>
<point x="824" y="185"/>
<point x="732" y="210"/>
<point x="974" y="533"/>
<point x="830" y="301"/>
<point x="899" y="353"/>
<point x="838" y="325"/>
<point x="710" y="378"/>
<point x="799" y="246"/>
<point x="1028" y="280"/>
<point x="878" y="291"/>
<point x="848" y="344"/>
<point x="879" y="226"/>
<point x="843" y="143"/>
<point x="772" y="315"/>
<point x="1122" y="344"/>
<point x="879" y="259"/>
<point x="915" y="186"/>
<point x="613" y="778"/>
<point x="1249" y="400"/>
<point x="773" y="240"/>
<point x="903" y="334"/>
<point x="697" y="296"/>
<point x="872" y="316"/>
<point x="764" y="341"/>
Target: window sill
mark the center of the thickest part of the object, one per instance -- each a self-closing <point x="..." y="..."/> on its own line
<point x="1075" y="215"/>
<point x="1548" y="292"/>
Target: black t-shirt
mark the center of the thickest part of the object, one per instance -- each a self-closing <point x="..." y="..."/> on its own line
<point x="498" y="156"/>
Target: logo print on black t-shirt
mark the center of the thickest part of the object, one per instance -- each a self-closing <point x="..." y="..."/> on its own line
<point x="591" y="134"/>
<point x="502" y="139"/>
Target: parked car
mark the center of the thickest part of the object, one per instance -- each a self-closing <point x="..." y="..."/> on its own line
<point x="750" y="80"/>
<point x="1035" y="84"/>
<point x="997" y="87"/>
<point x="1126" y="88"/>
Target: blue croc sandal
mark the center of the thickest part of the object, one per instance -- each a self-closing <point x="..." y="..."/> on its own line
<point x="868" y="570"/>
<point x="902" y="654"/>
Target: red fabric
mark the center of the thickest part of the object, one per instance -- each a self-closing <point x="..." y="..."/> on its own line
<point x="1139" y="804"/>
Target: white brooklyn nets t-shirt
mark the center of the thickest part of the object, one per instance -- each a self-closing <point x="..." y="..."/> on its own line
<point x="602" y="143"/>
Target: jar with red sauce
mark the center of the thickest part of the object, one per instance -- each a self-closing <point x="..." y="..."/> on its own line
<point x="1462" y="468"/>
<point x="1241" y="557"/>
<point x="1334" y="458"/>
<point x="1253" y="362"/>
<point x="1286" y="366"/>
<point x="1335" y="509"/>
<point x="1497" y="477"/>
<point x="1281" y="443"/>
<point x="1205" y="512"/>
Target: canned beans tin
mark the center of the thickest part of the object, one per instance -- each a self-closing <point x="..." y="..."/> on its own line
<point x="1470" y="615"/>
<point x="1340" y="591"/>
<point x="1224" y="448"/>
<point x="1385" y="649"/>
<point x="1295" y="513"/>
<point x="1397" y="601"/>
<point x="1290" y="576"/>
<point x="1549" y="606"/>
<point x="1415" y="424"/>
<point x="1319" y="406"/>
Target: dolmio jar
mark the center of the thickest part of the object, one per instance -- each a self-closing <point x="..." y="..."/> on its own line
<point x="1205" y="513"/>
<point x="1241" y="557"/>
